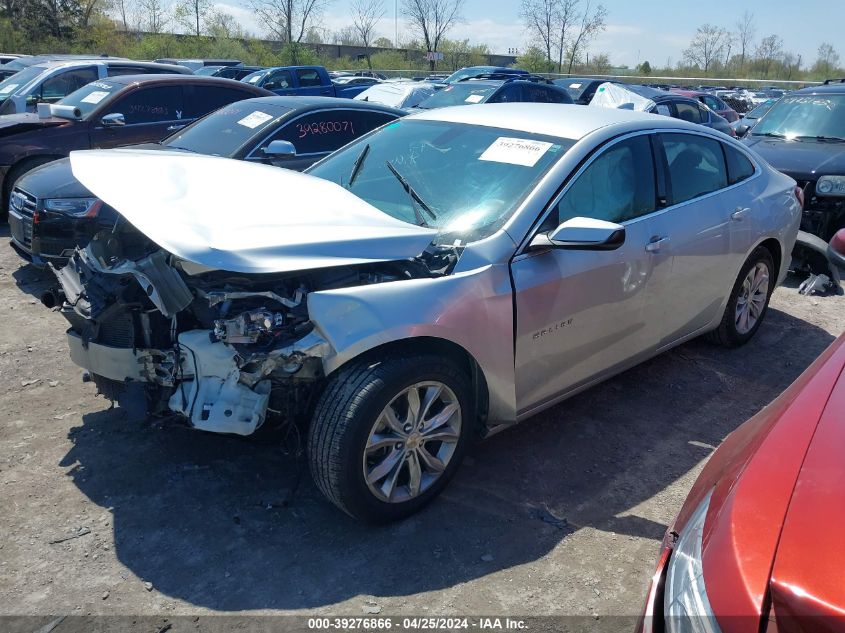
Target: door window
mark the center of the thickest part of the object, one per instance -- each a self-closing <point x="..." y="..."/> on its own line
<point x="739" y="167"/>
<point x="696" y="166"/>
<point x="278" y="80"/>
<point x="507" y="94"/>
<point x="541" y="94"/>
<point x="59" y="86"/>
<point x="688" y="111"/>
<point x="327" y="131"/>
<point x="712" y="103"/>
<point x="206" y="99"/>
<point x="308" y="77"/>
<point x="617" y="186"/>
<point x="151" y="105"/>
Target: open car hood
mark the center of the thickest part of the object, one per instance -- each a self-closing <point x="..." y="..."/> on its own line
<point x="232" y="215"/>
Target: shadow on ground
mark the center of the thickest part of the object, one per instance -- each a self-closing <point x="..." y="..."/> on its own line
<point x="203" y="517"/>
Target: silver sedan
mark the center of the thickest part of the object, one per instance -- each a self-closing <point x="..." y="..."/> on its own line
<point x="442" y="278"/>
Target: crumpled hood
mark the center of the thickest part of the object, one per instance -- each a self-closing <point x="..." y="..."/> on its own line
<point x="801" y="160"/>
<point x="232" y="215"/>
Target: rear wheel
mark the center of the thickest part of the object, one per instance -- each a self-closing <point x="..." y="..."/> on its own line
<point x="387" y="437"/>
<point x="749" y="300"/>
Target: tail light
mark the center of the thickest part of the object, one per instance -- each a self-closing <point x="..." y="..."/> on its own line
<point x="799" y="195"/>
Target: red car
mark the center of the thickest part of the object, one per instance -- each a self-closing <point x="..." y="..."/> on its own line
<point x="759" y="546"/>
<point x="713" y="102"/>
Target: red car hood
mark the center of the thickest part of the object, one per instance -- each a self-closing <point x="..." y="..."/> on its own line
<point x="752" y="476"/>
<point x="808" y="577"/>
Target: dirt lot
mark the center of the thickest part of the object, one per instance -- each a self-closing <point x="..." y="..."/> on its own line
<point x="562" y="515"/>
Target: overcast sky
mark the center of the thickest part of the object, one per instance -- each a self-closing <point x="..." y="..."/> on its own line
<point x="637" y="30"/>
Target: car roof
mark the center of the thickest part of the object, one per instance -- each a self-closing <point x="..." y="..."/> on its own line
<point x="302" y="103"/>
<point x="177" y="78"/>
<point x="552" y="119"/>
<point x="834" y="87"/>
<point x="108" y="61"/>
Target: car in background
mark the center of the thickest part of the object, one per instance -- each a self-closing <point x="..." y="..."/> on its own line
<point x="513" y="89"/>
<point x="52" y="80"/>
<point x="471" y="72"/>
<point x="414" y="285"/>
<point x="196" y="64"/>
<point x="13" y="66"/>
<point x="289" y="132"/>
<point x="369" y="73"/>
<point x="301" y="80"/>
<point x="398" y="94"/>
<point x="748" y="120"/>
<point x="713" y="102"/>
<point x="236" y="72"/>
<point x="580" y="89"/>
<point x="746" y="552"/>
<point x="656" y="101"/>
<point x="803" y="136"/>
<point x="108" y="113"/>
<point x="345" y="82"/>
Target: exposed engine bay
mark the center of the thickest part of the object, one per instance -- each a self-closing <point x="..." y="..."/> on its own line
<point x="223" y="349"/>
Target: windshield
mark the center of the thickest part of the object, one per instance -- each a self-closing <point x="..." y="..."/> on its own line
<point x="20" y="79"/>
<point x="464" y="93"/>
<point x="89" y="97"/>
<point x="467" y="72"/>
<point x="805" y="116"/>
<point x="223" y="133"/>
<point x="254" y="78"/>
<point x="574" y="87"/>
<point x="761" y="109"/>
<point x="471" y="178"/>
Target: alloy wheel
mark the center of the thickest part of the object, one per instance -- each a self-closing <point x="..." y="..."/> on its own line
<point x="751" y="301"/>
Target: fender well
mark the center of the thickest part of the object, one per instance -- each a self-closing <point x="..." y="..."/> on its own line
<point x="438" y="347"/>
<point x="773" y="246"/>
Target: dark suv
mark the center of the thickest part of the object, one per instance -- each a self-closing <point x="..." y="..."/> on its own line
<point x="108" y="113"/>
<point x="803" y="136"/>
<point x="497" y="89"/>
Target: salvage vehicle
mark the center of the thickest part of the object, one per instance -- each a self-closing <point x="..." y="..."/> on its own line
<point x="51" y="80"/>
<point x="750" y="119"/>
<point x="58" y="213"/>
<point x="302" y="81"/>
<point x="398" y="94"/>
<point x="581" y="89"/>
<point x="440" y="279"/>
<point x="496" y="89"/>
<point x="745" y="553"/>
<point x="108" y="113"/>
<point x="803" y="136"/>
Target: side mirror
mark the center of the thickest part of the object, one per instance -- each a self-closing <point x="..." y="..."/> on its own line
<point x="115" y="119"/>
<point x="33" y="99"/>
<point x="280" y="149"/>
<point x="583" y="234"/>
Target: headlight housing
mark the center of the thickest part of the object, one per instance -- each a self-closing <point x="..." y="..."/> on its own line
<point x="686" y="607"/>
<point x="831" y="186"/>
<point x="76" y="207"/>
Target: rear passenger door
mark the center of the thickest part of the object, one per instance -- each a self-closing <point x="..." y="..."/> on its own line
<point x="150" y="114"/>
<point x="309" y="81"/>
<point x="317" y="134"/>
<point x="696" y="245"/>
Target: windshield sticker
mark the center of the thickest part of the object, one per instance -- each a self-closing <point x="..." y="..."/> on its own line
<point x="515" y="151"/>
<point x="252" y="80"/>
<point x="576" y="86"/>
<point x="7" y="89"/>
<point x="100" y="84"/>
<point x="95" y="97"/>
<point x="474" y="99"/>
<point x="255" y="119"/>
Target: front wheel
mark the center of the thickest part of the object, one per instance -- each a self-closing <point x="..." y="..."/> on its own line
<point x="748" y="302"/>
<point x="386" y="437"/>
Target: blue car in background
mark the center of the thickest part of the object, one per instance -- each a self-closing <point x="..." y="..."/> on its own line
<point x="309" y="81"/>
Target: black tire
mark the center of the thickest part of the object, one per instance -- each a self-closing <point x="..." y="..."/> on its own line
<point x="347" y="412"/>
<point x="16" y="173"/>
<point x="727" y="333"/>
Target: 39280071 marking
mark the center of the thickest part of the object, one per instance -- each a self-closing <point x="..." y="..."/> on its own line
<point x="325" y="127"/>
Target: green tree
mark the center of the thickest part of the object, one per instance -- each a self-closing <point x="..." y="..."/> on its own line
<point x="645" y="68"/>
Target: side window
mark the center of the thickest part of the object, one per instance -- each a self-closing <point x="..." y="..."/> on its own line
<point x="151" y="105"/>
<point x="688" y="111"/>
<point x="508" y="94"/>
<point x="206" y="99"/>
<point x="308" y="77"/>
<point x="327" y="131"/>
<point x="278" y="80"/>
<point x="541" y="94"/>
<point x="705" y="113"/>
<point x="664" y="109"/>
<point x="59" y="86"/>
<point x="119" y="71"/>
<point x="712" y="103"/>
<point x="739" y="167"/>
<point x="696" y="166"/>
<point x="617" y="186"/>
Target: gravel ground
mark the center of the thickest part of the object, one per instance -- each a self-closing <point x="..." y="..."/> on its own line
<point x="559" y="516"/>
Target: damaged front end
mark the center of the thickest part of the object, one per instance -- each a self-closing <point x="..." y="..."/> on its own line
<point x="223" y="349"/>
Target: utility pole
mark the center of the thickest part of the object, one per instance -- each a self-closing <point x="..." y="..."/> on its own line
<point x="395" y="23"/>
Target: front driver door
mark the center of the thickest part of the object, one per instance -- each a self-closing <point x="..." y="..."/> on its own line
<point x="150" y="113"/>
<point x="579" y="313"/>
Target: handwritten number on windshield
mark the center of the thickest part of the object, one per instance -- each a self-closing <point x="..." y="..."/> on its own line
<point x="324" y="127"/>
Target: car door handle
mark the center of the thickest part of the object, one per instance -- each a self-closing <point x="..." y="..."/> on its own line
<point x="173" y="128"/>
<point x="656" y="242"/>
<point x="740" y="213"/>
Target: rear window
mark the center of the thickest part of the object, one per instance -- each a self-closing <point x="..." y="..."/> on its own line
<point x="464" y="93"/>
<point x="224" y="132"/>
<point x="739" y="167"/>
